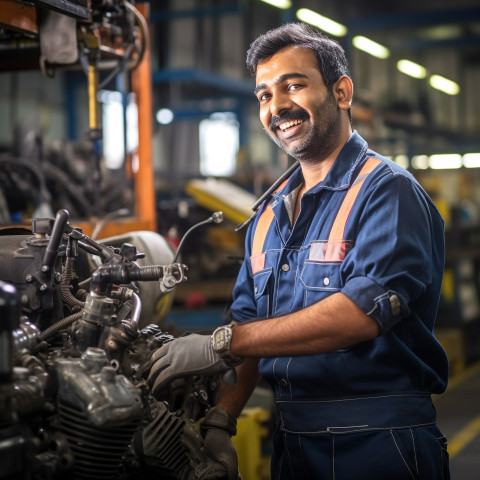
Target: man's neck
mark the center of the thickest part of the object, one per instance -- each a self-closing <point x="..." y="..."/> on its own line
<point x="315" y="171"/>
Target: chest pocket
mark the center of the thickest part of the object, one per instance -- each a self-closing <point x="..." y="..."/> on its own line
<point x="321" y="271"/>
<point x="319" y="280"/>
<point x="261" y="291"/>
<point x="320" y="275"/>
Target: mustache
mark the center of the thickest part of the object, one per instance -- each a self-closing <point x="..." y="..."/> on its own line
<point x="276" y="120"/>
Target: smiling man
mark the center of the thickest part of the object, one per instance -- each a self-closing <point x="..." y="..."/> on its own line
<point x="307" y="128"/>
<point x="336" y="300"/>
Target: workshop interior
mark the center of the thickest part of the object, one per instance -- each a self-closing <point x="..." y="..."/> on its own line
<point x="131" y="153"/>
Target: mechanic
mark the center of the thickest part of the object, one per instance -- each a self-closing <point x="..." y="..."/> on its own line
<point x="336" y="299"/>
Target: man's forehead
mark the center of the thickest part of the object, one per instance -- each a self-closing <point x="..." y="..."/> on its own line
<point x="287" y="63"/>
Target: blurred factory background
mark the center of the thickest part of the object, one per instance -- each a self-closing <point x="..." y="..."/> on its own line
<point x="150" y="123"/>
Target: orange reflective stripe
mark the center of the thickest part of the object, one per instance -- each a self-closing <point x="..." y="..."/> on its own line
<point x="334" y="249"/>
<point x="263" y="225"/>
<point x="258" y="262"/>
<point x="338" y="227"/>
<point x="261" y="230"/>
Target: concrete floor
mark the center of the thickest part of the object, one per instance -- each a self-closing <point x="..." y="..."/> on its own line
<point x="458" y="416"/>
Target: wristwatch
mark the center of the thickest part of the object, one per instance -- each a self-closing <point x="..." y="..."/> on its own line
<point x="221" y="338"/>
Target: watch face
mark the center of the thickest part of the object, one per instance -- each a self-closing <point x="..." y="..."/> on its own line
<point x="220" y="339"/>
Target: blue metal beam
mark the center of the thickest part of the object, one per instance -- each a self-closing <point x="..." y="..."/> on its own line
<point x="420" y="44"/>
<point x="223" y="84"/>
<point x="388" y="21"/>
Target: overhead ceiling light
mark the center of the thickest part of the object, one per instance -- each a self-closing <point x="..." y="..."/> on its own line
<point x="442" y="32"/>
<point x="323" y="23"/>
<point x="412" y="69"/>
<point x="444" y="161"/>
<point x="444" y="85"/>
<point x="370" y="47"/>
<point x="283" y="4"/>
<point x="420" y="162"/>
<point x="471" y="160"/>
<point x="401" y="160"/>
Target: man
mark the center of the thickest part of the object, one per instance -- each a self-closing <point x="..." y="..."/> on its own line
<point x="335" y="302"/>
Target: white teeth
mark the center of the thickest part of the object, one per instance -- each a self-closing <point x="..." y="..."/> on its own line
<point x="292" y="123"/>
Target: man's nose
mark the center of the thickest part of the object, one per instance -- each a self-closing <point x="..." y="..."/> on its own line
<point x="279" y="103"/>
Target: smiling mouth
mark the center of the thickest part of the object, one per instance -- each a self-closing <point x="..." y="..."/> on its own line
<point x="292" y="123"/>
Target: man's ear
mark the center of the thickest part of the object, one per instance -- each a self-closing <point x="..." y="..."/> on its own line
<point x="343" y="91"/>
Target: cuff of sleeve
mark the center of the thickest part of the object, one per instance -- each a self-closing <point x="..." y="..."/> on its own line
<point x="386" y="307"/>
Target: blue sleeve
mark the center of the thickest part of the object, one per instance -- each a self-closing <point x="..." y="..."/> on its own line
<point x="398" y="255"/>
<point x="244" y="307"/>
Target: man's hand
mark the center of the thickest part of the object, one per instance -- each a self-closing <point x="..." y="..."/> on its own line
<point x="190" y="355"/>
<point x="217" y="429"/>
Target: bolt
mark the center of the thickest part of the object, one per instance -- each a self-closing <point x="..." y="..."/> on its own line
<point x="169" y="281"/>
<point x="45" y="268"/>
<point x="43" y="287"/>
<point x="29" y="278"/>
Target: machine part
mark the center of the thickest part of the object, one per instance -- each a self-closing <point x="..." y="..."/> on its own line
<point x="9" y="314"/>
<point x="75" y="359"/>
<point x="155" y="303"/>
<point x="108" y="36"/>
<point x="169" y="275"/>
<point x="93" y="386"/>
<point x="217" y="217"/>
<point x="161" y="440"/>
<point x="27" y="336"/>
<point x="58" y="38"/>
<point x="173" y="444"/>
<point x="53" y="245"/>
<point x="98" y="452"/>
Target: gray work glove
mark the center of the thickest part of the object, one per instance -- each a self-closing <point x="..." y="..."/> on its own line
<point x="217" y="429"/>
<point x="184" y="356"/>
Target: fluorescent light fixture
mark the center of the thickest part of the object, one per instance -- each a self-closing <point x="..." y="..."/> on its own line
<point x="370" y="47"/>
<point x="471" y="160"/>
<point x="420" y="162"/>
<point x="283" y="4"/>
<point x="444" y="161"/>
<point x="411" y="68"/>
<point x="401" y="160"/>
<point x="444" y="85"/>
<point x="164" y="116"/>
<point x="323" y="23"/>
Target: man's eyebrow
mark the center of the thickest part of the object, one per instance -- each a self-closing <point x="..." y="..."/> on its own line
<point x="279" y="80"/>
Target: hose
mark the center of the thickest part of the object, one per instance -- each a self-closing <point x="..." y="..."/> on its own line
<point x="60" y="325"/>
<point x="67" y="296"/>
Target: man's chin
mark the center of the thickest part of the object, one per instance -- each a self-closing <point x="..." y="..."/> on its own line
<point x="293" y="148"/>
<point x="298" y="152"/>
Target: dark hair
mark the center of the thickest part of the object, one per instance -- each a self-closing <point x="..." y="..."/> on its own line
<point x="330" y="55"/>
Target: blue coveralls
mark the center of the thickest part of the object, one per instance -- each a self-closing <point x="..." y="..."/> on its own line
<point x="363" y="413"/>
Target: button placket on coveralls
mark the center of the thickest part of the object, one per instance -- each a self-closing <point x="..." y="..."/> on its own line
<point x="288" y="264"/>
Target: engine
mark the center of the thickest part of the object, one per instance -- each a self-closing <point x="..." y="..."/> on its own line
<point x="74" y="357"/>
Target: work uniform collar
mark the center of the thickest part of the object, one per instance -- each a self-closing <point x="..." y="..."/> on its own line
<point x="341" y="174"/>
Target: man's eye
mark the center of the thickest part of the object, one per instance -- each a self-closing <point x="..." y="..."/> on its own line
<point x="263" y="97"/>
<point x="293" y="87"/>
